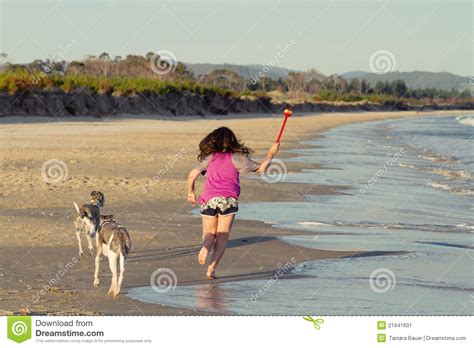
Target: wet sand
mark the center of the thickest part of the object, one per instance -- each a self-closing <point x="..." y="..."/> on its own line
<point x="141" y="165"/>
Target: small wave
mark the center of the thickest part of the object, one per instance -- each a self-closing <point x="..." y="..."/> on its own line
<point x="465" y="192"/>
<point x="432" y="157"/>
<point x="449" y="188"/>
<point x="404" y="165"/>
<point x="452" y="174"/>
<point x="440" y="185"/>
<point x="468" y="121"/>
<point x="320" y="265"/>
<point x="312" y="223"/>
<point x="397" y="226"/>
<point x="455" y="181"/>
<point x="470" y="227"/>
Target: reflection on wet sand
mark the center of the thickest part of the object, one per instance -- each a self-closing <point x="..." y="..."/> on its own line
<point x="211" y="298"/>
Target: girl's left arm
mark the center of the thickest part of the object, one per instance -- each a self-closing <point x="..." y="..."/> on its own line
<point x="192" y="176"/>
<point x="268" y="158"/>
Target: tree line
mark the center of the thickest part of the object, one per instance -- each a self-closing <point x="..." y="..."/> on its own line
<point x="134" y="73"/>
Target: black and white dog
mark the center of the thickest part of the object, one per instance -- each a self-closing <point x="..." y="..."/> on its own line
<point x="87" y="220"/>
<point x="114" y="242"/>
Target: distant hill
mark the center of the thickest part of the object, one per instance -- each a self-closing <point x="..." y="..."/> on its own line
<point x="354" y="74"/>
<point x="246" y="71"/>
<point x="415" y="79"/>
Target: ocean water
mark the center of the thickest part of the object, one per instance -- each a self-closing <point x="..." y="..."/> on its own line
<point x="408" y="214"/>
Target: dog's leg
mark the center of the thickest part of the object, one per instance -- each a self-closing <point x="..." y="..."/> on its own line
<point x="97" y="262"/>
<point x="89" y="242"/>
<point x="113" y="258"/>
<point x="122" y="269"/>
<point x="78" y="235"/>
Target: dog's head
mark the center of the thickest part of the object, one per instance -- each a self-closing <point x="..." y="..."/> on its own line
<point x="104" y="218"/>
<point x="98" y="197"/>
<point x="90" y="217"/>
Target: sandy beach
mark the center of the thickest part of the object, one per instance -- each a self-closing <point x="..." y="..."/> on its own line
<point x="140" y="164"/>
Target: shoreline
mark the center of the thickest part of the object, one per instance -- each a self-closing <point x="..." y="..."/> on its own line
<point x="229" y="116"/>
<point x="171" y="248"/>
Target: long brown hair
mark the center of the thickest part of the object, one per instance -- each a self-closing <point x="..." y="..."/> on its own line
<point x="221" y="140"/>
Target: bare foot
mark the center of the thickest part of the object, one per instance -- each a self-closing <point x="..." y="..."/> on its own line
<point x="211" y="274"/>
<point x="202" y="257"/>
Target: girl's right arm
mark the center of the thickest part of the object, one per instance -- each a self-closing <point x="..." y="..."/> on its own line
<point x="192" y="176"/>
<point x="268" y="158"/>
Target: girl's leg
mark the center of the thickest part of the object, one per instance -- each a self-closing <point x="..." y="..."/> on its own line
<point x="209" y="230"/>
<point x="224" y="224"/>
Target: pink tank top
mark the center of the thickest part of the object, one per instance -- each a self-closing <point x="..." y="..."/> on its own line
<point x="222" y="178"/>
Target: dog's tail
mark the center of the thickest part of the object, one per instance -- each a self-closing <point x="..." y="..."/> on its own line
<point x="77" y="207"/>
<point x="127" y="245"/>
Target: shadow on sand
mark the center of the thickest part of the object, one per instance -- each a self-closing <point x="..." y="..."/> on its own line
<point x="185" y="250"/>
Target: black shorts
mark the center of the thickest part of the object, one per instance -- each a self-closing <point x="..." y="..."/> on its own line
<point x="221" y="206"/>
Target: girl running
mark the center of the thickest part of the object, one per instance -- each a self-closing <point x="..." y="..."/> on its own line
<point x="222" y="157"/>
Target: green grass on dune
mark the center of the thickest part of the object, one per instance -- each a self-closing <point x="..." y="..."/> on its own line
<point x="21" y="80"/>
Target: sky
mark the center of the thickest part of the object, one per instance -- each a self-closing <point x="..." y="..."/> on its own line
<point x="332" y="36"/>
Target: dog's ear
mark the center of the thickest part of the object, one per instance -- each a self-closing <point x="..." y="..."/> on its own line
<point x="93" y="193"/>
<point x="82" y="213"/>
<point x="100" y="198"/>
